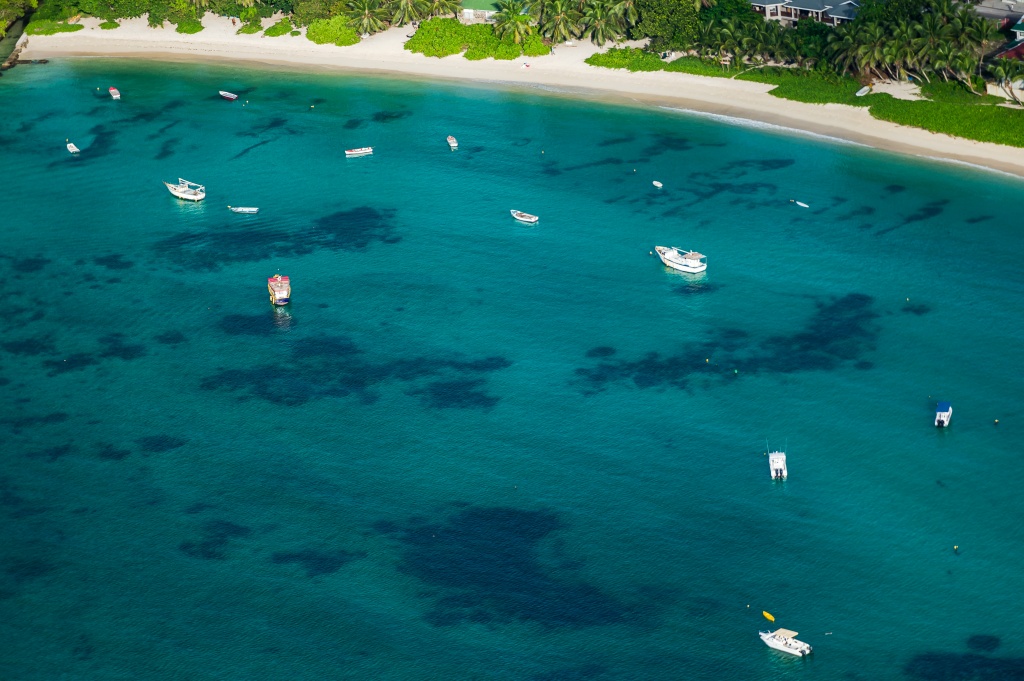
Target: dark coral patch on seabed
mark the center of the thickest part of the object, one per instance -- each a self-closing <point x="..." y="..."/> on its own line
<point x="170" y="338"/>
<point x="487" y="563"/>
<point x="351" y="230"/>
<point x="840" y="331"/>
<point x="158" y="444"/>
<point x="215" y="537"/>
<point x="317" y="562"/>
<point x="333" y="366"/>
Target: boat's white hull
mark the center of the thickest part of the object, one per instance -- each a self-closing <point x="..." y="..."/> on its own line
<point x="798" y="648"/>
<point x="524" y="217"/>
<point x="244" y="210"/>
<point x="185" y="195"/>
<point x="73" y="149"/>
<point x="353" y="153"/>
<point x="691" y="267"/>
<point x="453" y="143"/>
<point x="230" y="96"/>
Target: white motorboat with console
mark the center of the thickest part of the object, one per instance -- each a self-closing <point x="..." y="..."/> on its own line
<point x="71" y="147"/>
<point x="524" y="217"/>
<point x="247" y="210"/>
<point x="785" y="640"/>
<point x="777" y="465"/>
<point x="189" y="191"/>
<point x="943" y="414"/>
<point x="453" y="143"/>
<point x="361" y="151"/>
<point x="684" y="261"/>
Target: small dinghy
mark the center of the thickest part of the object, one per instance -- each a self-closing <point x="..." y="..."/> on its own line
<point x="72" y="148"/>
<point x="799" y="203"/>
<point x="230" y="96"/>
<point x="657" y="184"/>
<point x="524" y="217"/>
<point x="864" y="90"/>
<point x="453" y="143"/>
<point x="361" y="151"/>
<point x="114" y="93"/>
<point x="247" y="210"/>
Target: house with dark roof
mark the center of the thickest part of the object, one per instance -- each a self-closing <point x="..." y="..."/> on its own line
<point x="832" y="12"/>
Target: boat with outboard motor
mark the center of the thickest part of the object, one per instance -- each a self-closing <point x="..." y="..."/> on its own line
<point x="453" y="143"/>
<point x="361" y="151"/>
<point x="684" y="261"/>
<point x="189" y="191"/>
<point x="943" y="414"/>
<point x="247" y="210"/>
<point x="280" y="288"/>
<point x="785" y="640"/>
<point x="777" y="465"/>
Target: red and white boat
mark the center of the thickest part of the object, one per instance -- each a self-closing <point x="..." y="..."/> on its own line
<point x="452" y="142"/>
<point x="524" y="217"/>
<point x="114" y="93"/>
<point x="230" y="96"/>
<point x="280" y="289"/>
<point x="361" y="151"/>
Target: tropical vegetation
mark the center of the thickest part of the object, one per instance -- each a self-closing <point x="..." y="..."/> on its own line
<point x="443" y="37"/>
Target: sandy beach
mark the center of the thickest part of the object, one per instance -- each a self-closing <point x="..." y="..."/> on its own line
<point x="563" y="72"/>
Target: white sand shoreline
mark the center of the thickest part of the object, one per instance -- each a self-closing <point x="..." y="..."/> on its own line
<point x="563" y="73"/>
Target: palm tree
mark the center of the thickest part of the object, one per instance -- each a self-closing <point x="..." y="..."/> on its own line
<point x="843" y="46"/>
<point x="366" y="16"/>
<point x="437" y="8"/>
<point x="730" y="39"/>
<point x="984" y="33"/>
<point x="931" y="33"/>
<point x="941" y="59"/>
<point x="562" y="21"/>
<point x="1005" y="71"/>
<point x="871" y="56"/>
<point x="625" y="11"/>
<point x="512" y="19"/>
<point x="599" y="24"/>
<point x="539" y="10"/>
<point x="706" y="39"/>
<point x="404" y="11"/>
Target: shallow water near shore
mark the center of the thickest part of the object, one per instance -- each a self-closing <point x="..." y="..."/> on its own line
<point x="475" y="449"/>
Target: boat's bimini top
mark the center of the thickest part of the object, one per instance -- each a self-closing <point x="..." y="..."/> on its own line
<point x="785" y="633"/>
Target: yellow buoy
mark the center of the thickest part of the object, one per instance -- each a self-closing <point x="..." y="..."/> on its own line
<point x="768" y="616"/>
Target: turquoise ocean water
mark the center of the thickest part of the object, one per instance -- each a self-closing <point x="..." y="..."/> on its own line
<point x="474" y="449"/>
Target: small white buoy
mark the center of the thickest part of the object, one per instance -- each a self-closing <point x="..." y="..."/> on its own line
<point x="657" y="184"/>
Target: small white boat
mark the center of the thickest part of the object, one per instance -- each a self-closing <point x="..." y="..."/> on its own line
<point x="657" y="184"/>
<point x="777" y="465"/>
<point x="72" y="148"/>
<point x="230" y="96"/>
<point x="785" y="640"/>
<point x="247" y="210"/>
<point x="864" y="90"/>
<point x="189" y="191"/>
<point x="684" y="261"/>
<point x="114" y="93"/>
<point x="524" y="217"/>
<point x="453" y="143"/>
<point x="799" y="203"/>
<point x="361" y="151"/>
<point x="280" y="289"/>
<point x="943" y="414"/>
